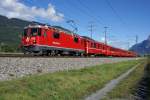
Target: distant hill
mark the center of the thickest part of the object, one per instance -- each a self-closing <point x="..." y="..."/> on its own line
<point x="142" y="48"/>
<point x="11" y="29"/>
<point x="10" y="33"/>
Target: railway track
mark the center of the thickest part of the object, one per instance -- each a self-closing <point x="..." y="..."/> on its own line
<point x="40" y="56"/>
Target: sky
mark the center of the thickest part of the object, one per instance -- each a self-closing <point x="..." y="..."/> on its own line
<point x="125" y="19"/>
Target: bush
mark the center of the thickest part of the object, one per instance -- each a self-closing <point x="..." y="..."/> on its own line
<point x="8" y="48"/>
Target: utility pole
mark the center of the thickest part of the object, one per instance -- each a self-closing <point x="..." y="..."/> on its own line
<point x="128" y="43"/>
<point x="136" y="39"/>
<point x="105" y="34"/>
<point x="91" y="28"/>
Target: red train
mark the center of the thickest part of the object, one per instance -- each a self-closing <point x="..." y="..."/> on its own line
<point x="50" y="40"/>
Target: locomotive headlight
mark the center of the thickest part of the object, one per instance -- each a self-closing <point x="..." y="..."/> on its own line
<point x="34" y="40"/>
<point x="27" y="39"/>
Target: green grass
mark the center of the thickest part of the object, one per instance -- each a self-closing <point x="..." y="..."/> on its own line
<point x="127" y="86"/>
<point x="66" y="85"/>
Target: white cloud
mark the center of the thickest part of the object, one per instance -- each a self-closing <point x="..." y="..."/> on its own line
<point x="16" y="9"/>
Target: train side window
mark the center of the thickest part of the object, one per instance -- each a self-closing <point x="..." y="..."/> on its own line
<point x="103" y="47"/>
<point x="94" y="45"/>
<point x="56" y="35"/>
<point x="98" y="46"/>
<point x="91" y="44"/>
<point x="76" y="39"/>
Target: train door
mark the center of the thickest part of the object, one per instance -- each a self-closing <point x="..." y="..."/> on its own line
<point x="105" y="49"/>
<point x="87" y="46"/>
<point x="82" y="44"/>
<point x="44" y="37"/>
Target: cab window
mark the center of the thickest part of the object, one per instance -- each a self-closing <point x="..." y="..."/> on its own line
<point x="35" y="31"/>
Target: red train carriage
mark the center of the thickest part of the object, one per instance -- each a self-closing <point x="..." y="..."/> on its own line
<point x="93" y="47"/>
<point x="43" y="39"/>
<point x="51" y="40"/>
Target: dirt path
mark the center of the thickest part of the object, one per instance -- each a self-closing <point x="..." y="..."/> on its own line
<point x="109" y="86"/>
<point x="143" y="90"/>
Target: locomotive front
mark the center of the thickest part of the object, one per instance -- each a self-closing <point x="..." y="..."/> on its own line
<point x="30" y="39"/>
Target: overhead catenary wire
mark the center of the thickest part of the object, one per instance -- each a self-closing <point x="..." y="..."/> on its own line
<point x="68" y="19"/>
<point x="99" y="19"/>
<point x="115" y="12"/>
<point x="118" y="17"/>
<point x="85" y="12"/>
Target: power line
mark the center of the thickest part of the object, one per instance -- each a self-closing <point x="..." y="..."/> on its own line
<point x="68" y="19"/>
<point x="115" y="12"/>
<point x="86" y="7"/>
<point x="85" y="12"/>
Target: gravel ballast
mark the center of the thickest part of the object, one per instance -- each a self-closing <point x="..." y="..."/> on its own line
<point x="11" y="67"/>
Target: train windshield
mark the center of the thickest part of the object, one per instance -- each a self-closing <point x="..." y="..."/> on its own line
<point x="35" y="32"/>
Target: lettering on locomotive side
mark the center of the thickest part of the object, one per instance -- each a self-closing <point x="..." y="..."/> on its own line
<point x="56" y="43"/>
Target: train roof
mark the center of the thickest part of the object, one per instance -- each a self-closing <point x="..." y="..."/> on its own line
<point x="39" y="25"/>
<point x="65" y="30"/>
<point x="86" y="37"/>
<point x="62" y="28"/>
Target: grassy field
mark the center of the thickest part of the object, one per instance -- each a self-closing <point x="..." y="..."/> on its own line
<point x="127" y="86"/>
<point x="66" y="85"/>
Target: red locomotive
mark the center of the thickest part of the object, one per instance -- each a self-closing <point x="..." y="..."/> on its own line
<point x="50" y="40"/>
